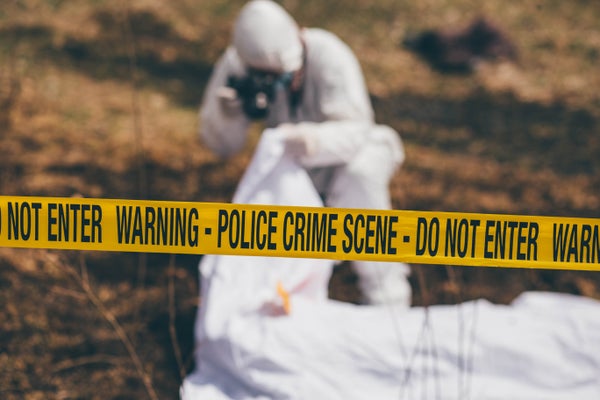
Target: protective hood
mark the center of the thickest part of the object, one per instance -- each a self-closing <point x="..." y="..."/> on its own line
<point x="267" y="37"/>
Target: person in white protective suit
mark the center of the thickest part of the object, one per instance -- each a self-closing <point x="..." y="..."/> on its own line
<point x="309" y="84"/>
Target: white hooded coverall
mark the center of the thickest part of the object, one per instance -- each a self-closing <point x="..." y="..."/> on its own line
<point x="349" y="158"/>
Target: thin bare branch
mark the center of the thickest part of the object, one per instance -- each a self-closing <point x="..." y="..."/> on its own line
<point x="83" y="280"/>
<point x="172" y="317"/>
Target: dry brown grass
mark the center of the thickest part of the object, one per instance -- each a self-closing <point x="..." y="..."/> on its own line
<point x="76" y="119"/>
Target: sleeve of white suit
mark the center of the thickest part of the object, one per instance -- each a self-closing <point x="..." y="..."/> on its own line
<point x="223" y="125"/>
<point x="343" y="101"/>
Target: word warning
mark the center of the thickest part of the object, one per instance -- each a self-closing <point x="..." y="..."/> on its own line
<point x="491" y="240"/>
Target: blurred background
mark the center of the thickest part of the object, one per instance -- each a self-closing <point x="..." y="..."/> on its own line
<point x="99" y="98"/>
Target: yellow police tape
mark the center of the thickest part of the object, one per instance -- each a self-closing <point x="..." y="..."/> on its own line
<point x="285" y="231"/>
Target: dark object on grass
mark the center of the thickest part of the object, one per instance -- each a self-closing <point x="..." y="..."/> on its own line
<point x="458" y="51"/>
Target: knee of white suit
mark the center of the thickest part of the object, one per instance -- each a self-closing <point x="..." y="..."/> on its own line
<point x="364" y="181"/>
<point x="384" y="283"/>
<point x="380" y="158"/>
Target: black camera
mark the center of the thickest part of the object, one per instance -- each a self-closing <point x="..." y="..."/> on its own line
<point x="257" y="90"/>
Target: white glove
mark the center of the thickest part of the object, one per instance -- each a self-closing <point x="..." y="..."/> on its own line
<point x="298" y="142"/>
<point x="229" y="101"/>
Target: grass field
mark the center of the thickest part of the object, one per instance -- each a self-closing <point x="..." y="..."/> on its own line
<point x="99" y="98"/>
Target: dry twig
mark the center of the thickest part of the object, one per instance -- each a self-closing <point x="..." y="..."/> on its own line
<point x="83" y="280"/>
<point x="172" y="316"/>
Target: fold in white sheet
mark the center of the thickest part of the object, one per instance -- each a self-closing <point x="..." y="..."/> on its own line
<point x="542" y="346"/>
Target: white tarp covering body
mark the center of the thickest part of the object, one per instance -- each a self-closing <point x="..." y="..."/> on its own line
<point x="542" y="346"/>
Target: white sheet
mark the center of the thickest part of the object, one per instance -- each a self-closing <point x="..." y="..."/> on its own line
<point x="543" y="346"/>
